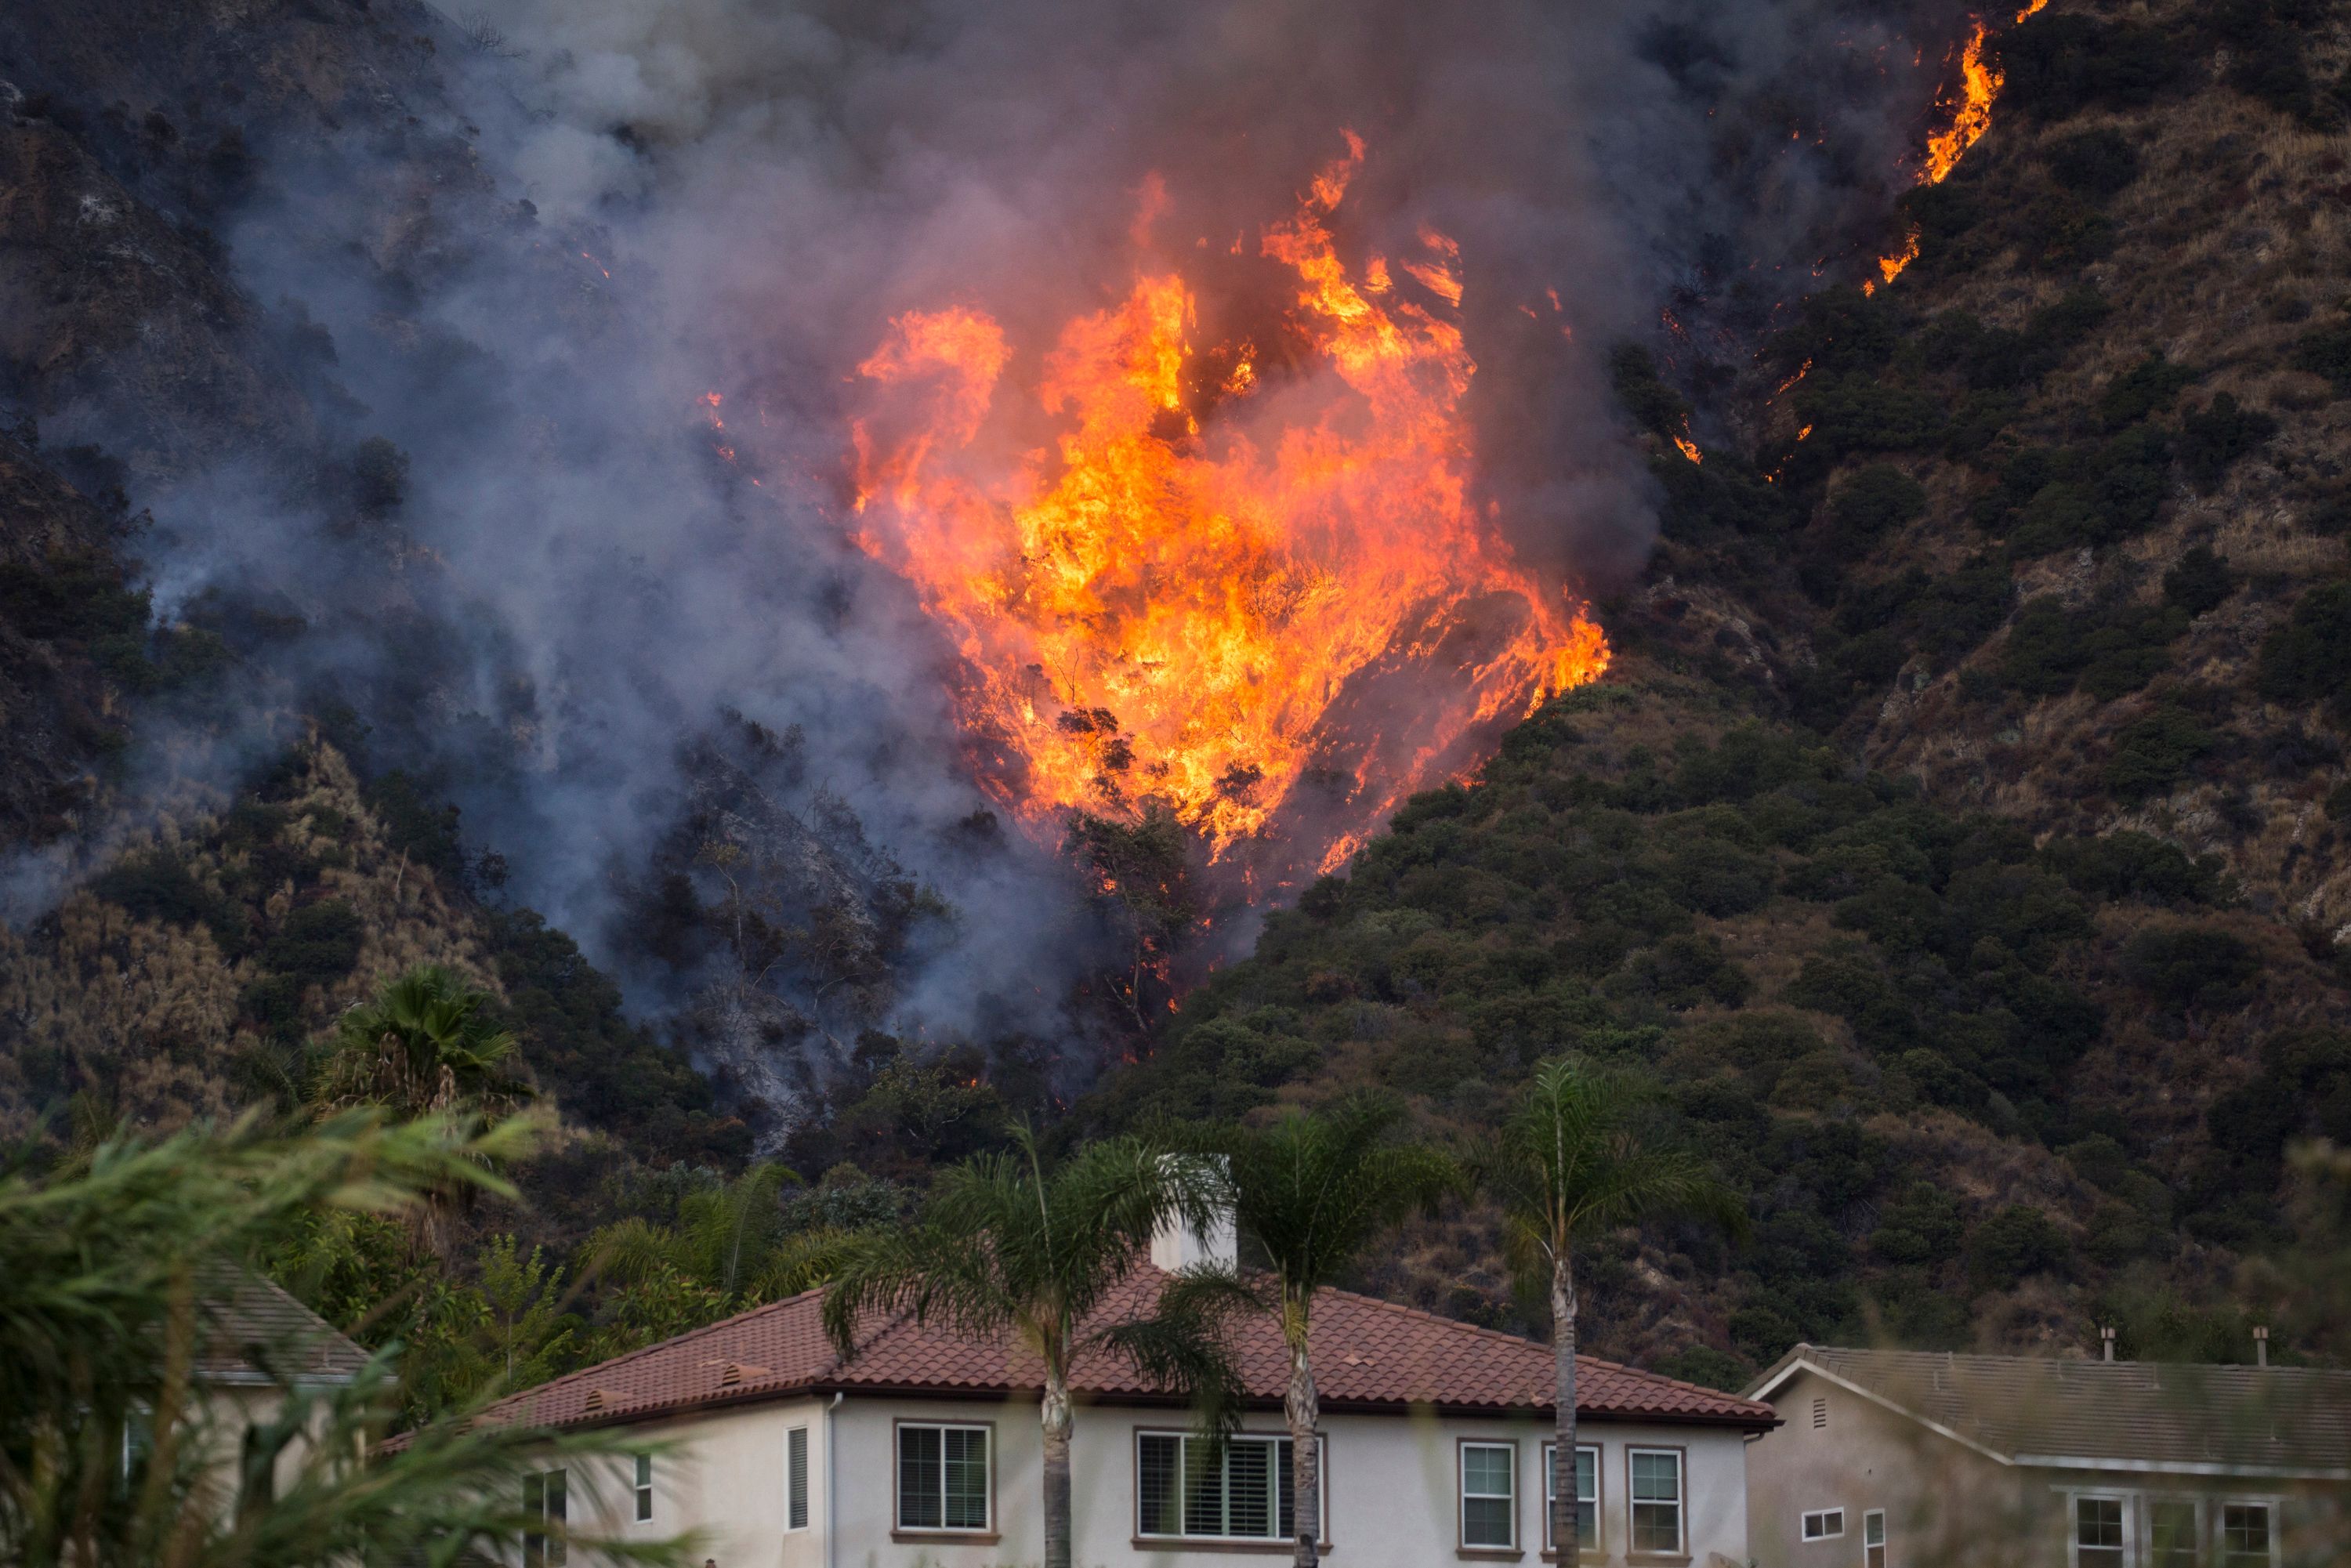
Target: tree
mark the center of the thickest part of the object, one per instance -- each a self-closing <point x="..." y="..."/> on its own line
<point x="1145" y="866"/>
<point x="732" y="1240"/>
<point x="1311" y="1191"/>
<point x="424" y="1049"/>
<point x="109" y="1454"/>
<point x="1008" y="1247"/>
<point x="1573" y="1159"/>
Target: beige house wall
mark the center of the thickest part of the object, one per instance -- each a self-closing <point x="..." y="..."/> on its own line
<point x="1947" y="1505"/>
<point x="1391" y="1480"/>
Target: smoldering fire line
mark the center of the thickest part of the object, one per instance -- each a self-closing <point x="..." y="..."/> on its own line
<point x="628" y="627"/>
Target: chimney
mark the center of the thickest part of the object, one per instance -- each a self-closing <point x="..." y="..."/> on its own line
<point x="2262" y="1345"/>
<point x="1174" y="1248"/>
<point x="2108" y="1334"/>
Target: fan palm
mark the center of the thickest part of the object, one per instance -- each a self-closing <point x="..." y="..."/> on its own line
<point x="110" y="1454"/>
<point x="1011" y="1248"/>
<point x="1312" y="1190"/>
<point x="1572" y="1160"/>
<point x="423" y="1048"/>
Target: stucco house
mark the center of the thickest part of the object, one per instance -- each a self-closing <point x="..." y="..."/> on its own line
<point x="1914" y="1460"/>
<point x="255" y="1346"/>
<point x="924" y="1447"/>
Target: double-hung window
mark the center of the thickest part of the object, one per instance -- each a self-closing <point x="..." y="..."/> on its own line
<point x="1587" y="1497"/>
<point x="2246" y="1539"/>
<point x="2099" y="1540"/>
<point x="1828" y="1524"/>
<point x="1873" y="1539"/>
<point x="1489" y="1495"/>
<point x="643" y="1490"/>
<point x="943" y="1478"/>
<point x="1182" y="1488"/>
<point x="2175" y="1533"/>
<point x="1656" y="1493"/>
<point x="796" y="1493"/>
<point x="545" y="1502"/>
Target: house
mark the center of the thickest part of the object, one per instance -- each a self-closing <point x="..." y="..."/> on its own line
<point x="1893" y="1458"/>
<point x="256" y="1345"/>
<point x="924" y="1447"/>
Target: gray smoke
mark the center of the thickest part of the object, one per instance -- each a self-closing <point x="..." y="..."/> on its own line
<point x="531" y="266"/>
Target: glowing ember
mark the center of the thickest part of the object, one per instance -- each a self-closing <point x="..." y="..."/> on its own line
<point x="1971" y="116"/>
<point x="1188" y="599"/>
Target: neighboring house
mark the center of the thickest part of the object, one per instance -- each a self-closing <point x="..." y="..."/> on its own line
<point x="924" y="1448"/>
<point x="254" y="1343"/>
<point x="1914" y="1459"/>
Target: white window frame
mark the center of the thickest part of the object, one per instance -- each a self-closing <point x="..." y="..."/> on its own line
<point x="1282" y="1479"/>
<point x="1461" y="1493"/>
<point x="2074" y="1501"/>
<point x="1681" y="1504"/>
<point x="1874" y="1516"/>
<point x="641" y="1489"/>
<point x="1599" y="1490"/>
<point x="796" y="1478"/>
<point x="1804" y="1530"/>
<point x="2201" y="1535"/>
<point x="897" y="1484"/>
<point x="2217" y="1538"/>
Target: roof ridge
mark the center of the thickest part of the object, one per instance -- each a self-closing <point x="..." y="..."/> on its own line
<point x="1455" y="1323"/>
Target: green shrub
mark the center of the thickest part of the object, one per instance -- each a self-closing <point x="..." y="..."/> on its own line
<point x="2192" y="966"/>
<point x="2211" y="439"/>
<point x="1922" y="1225"/>
<point x="2198" y="581"/>
<point x="2129" y="864"/>
<point x="74" y="597"/>
<point x="2017" y="1242"/>
<point x="1856" y="414"/>
<point x="159" y="886"/>
<point x="1653" y="405"/>
<point x="2130" y="648"/>
<point x="2147" y="388"/>
<point x="2060" y="63"/>
<point x="2327" y="352"/>
<point x="317" y="942"/>
<point x="2309" y="657"/>
<point x="1875" y="500"/>
<point x="2151" y="755"/>
<point x="2098" y="162"/>
<point x="2046" y="651"/>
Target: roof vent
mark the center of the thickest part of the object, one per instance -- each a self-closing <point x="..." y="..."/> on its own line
<point x="1820" y="1413"/>
<point x="731" y="1374"/>
<point x="595" y="1400"/>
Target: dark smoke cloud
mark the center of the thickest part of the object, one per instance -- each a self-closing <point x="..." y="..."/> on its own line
<point x="532" y="270"/>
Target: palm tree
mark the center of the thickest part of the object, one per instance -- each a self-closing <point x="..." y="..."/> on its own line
<point x="111" y="1455"/>
<point x="1010" y="1248"/>
<point x="424" y="1049"/>
<point x="1311" y="1191"/>
<point x="1572" y="1160"/>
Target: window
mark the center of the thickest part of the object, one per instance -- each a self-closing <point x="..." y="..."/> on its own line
<point x="1489" y="1494"/>
<point x="2175" y="1533"/>
<point x="2245" y="1535"/>
<point x="1828" y="1524"/>
<point x="943" y="1479"/>
<point x="1587" y="1497"/>
<point x="1873" y="1539"/>
<point x="543" y="1500"/>
<point x="644" y="1488"/>
<point x="1656" y="1494"/>
<point x="796" y="1478"/>
<point x="1182" y="1489"/>
<point x="2098" y="1532"/>
<point x="256" y="1486"/>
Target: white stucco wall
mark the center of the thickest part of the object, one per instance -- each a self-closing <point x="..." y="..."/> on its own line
<point x="1393" y="1496"/>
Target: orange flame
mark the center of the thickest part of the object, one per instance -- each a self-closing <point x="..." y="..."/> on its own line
<point x="1971" y="116"/>
<point x="1891" y="266"/>
<point x="1690" y="449"/>
<point x="1149" y="610"/>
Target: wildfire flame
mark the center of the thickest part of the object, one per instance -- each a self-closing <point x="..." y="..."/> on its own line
<point x="1173" y="601"/>
<point x="1970" y="118"/>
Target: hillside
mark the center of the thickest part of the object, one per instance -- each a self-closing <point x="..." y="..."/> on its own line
<point x="1962" y="833"/>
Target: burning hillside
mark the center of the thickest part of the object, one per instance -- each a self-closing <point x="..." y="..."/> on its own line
<point x="1245" y="578"/>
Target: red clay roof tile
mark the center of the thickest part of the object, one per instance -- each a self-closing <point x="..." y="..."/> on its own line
<point x="1369" y="1354"/>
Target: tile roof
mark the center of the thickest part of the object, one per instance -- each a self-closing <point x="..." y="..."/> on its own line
<point x="1369" y="1355"/>
<point x="253" y="1330"/>
<point x="2027" y="1410"/>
